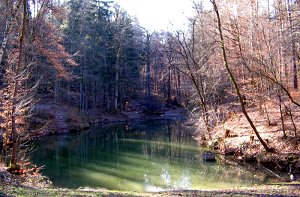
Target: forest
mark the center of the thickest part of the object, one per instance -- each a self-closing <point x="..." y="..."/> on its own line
<point x="233" y="74"/>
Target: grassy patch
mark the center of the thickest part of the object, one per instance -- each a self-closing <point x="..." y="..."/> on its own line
<point x="269" y="190"/>
<point x="28" y="191"/>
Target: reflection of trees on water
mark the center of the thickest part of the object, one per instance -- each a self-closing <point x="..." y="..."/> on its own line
<point x="165" y="154"/>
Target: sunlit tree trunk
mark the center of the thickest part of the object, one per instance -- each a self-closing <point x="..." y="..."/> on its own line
<point x="8" y="26"/>
<point x="5" y="39"/>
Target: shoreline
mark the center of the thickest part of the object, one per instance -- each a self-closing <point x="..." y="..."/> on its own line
<point x="263" y="190"/>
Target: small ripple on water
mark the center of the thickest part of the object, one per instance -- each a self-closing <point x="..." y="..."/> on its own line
<point x="166" y="177"/>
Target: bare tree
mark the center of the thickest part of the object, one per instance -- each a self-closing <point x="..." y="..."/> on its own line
<point x="232" y="78"/>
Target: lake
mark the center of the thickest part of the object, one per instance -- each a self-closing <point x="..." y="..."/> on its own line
<point x="149" y="156"/>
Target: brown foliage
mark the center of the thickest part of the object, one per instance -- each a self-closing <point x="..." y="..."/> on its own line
<point x="38" y="48"/>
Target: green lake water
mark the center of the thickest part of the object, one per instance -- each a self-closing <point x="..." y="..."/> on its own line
<point x="149" y="156"/>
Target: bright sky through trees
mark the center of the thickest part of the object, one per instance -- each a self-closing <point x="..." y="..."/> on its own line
<point x="159" y="14"/>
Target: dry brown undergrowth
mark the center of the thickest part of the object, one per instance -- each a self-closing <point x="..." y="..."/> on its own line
<point x="235" y="136"/>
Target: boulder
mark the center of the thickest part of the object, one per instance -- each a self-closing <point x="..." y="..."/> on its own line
<point x="209" y="156"/>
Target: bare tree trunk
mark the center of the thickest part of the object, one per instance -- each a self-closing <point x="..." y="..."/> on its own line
<point x="232" y="78"/>
<point x="82" y="83"/>
<point x="292" y="119"/>
<point x="267" y="113"/>
<point x="8" y="26"/>
<point x="191" y="62"/>
<point x="107" y="96"/>
<point x="281" y="60"/>
<point x="81" y="89"/>
<point x="148" y="68"/>
<point x="117" y="79"/>
<point x="281" y="113"/>
<point x="294" y="51"/>
<point x="178" y="86"/>
<point x="106" y="87"/>
<point x="290" y="113"/>
<point x="5" y="39"/>
<point x="14" y="133"/>
<point x="116" y="87"/>
<point x="169" y="84"/>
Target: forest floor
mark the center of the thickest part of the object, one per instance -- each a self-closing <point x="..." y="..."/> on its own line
<point x="235" y="137"/>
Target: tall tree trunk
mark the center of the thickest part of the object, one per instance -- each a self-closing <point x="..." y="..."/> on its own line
<point x="294" y="51"/>
<point x="178" y="86"/>
<point x="106" y="86"/>
<point x="106" y="94"/>
<point x="148" y="68"/>
<point x="117" y="81"/>
<point x="169" y="84"/>
<point x="281" y="113"/>
<point x="81" y="89"/>
<point x="116" y="88"/>
<point x="5" y="40"/>
<point x="290" y="113"/>
<point x="9" y="20"/>
<point x="14" y="132"/>
<point x="82" y="82"/>
<point x="232" y="78"/>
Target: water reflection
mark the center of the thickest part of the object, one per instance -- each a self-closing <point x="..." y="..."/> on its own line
<point x="145" y="157"/>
